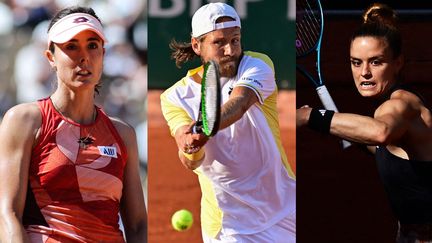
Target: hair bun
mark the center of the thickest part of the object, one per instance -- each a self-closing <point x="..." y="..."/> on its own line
<point x="380" y="13"/>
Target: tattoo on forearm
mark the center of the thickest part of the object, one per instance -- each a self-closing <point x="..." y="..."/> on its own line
<point x="232" y="111"/>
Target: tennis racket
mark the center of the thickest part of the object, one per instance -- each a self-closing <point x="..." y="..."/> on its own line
<point x="210" y="107"/>
<point x="309" y="32"/>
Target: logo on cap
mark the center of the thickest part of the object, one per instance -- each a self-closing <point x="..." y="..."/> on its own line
<point x="81" y="20"/>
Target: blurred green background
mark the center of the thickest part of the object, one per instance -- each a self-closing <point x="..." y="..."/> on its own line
<point x="267" y="26"/>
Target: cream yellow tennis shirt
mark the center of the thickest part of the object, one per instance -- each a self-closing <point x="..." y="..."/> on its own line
<point x="246" y="182"/>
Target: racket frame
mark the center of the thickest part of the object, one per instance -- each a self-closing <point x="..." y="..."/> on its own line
<point x="320" y="87"/>
<point x="206" y="128"/>
<point x="202" y="125"/>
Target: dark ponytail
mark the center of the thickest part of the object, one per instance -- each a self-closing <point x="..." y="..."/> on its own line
<point x="380" y="21"/>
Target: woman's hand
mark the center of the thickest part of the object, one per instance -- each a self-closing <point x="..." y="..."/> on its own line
<point x="302" y="116"/>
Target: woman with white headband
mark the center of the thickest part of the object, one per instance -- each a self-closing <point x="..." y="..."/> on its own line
<point x="67" y="168"/>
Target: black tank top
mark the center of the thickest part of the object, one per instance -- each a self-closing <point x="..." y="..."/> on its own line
<point x="408" y="184"/>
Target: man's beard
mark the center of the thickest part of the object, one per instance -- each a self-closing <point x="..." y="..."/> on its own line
<point x="228" y="66"/>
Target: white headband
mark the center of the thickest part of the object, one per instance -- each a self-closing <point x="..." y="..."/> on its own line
<point x="69" y="26"/>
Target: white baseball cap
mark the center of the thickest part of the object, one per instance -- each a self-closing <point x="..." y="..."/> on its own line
<point x="204" y="19"/>
<point x="69" y="26"/>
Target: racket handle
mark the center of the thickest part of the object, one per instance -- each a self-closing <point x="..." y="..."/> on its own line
<point x="329" y="104"/>
<point x="326" y="99"/>
<point x="197" y="128"/>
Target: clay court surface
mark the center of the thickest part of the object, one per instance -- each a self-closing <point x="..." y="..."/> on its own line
<point x="172" y="187"/>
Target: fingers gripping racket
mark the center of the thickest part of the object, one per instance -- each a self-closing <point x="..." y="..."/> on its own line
<point x="210" y="107"/>
<point x="309" y="31"/>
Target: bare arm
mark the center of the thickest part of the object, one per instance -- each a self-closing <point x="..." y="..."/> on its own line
<point x="132" y="205"/>
<point x="241" y="99"/>
<point x="188" y="163"/>
<point x="390" y="122"/>
<point x="17" y="133"/>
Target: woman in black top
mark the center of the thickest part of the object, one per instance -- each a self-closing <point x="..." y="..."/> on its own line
<point x="401" y="130"/>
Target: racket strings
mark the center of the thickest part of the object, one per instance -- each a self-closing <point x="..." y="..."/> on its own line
<point x="211" y="100"/>
<point x="308" y="34"/>
<point x="308" y="26"/>
<point x="311" y="24"/>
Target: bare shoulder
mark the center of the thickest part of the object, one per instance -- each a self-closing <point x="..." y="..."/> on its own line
<point x="398" y="108"/>
<point x="402" y="104"/>
<point x="27" y="113"/>
<point x="406" y="96"/>
<point x="21" y="125"/>
<point x="402" y="99"/>
<point x="126" y="131"/>
<point x="415" y="103"/>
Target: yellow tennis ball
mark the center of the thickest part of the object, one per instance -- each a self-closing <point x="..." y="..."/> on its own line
<point x="182" y="220"/>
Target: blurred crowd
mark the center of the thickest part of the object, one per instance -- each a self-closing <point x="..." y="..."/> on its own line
<point x="25" y="74"/>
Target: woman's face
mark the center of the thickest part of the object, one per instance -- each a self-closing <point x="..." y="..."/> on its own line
<point x="373" y="66"/>
<point x="79" y="61"/>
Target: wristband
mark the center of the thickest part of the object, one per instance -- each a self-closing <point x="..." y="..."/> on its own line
<point x="195" y="156"/>
<point x="320" y="120"/>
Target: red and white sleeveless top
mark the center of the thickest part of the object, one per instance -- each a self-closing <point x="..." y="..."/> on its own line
<point x="75" y="180"/>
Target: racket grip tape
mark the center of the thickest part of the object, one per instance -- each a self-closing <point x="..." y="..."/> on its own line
<point x="197" y="128"/>
<point x="326" y="99"/>
<point x="329" y="104"/>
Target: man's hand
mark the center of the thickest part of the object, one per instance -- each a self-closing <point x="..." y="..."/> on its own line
<point x="190" y="142"/>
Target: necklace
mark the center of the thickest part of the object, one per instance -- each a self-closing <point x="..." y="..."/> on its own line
<point x="83" y="142"/>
